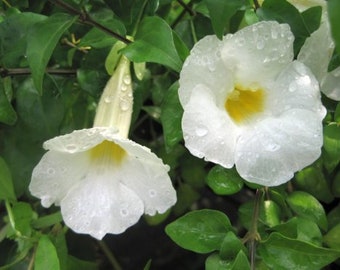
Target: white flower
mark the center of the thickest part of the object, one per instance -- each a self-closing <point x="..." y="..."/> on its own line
<point x="103" y="181"/>
<point x="246" y="102"/>
<point x="317" y="51"/>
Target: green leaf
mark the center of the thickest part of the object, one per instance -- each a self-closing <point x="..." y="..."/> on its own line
<point x="280" y="252"/>
<point x="201" y="231"/>
<point x="221" y="12"/>
<point x="186" y="196"/>
<point x="7" y="189"/>
<point x="331" y="144"/>
<point x="305" y="205"/>
<point x="113" y="57"/>
<point x="271" y="213"/>
<point x="334" y="18"/>
<point x="313" y="181"/>
<point x="47" y="221"/>
<point x="181" y="48"/>
<point x="336" y="185"/>
<point x="46" y="255"/>
<point x="41" y="41"/>
<point x="332" y="238"/>
<point x="214" y="262"/>
<point x="13" y="38"/>
<point x="154" y="43"/>
<point x="171" y="117"/>
<point x="337" y="114"/>
<point x="23" y="215"/>
<point x="301" y="229"/>
<point x="231" y="246"/>
<point x="312" y="17"/>
<point x="224" y="181"/>
<point x="7" y="113"/>
<point x="333" y="216"/>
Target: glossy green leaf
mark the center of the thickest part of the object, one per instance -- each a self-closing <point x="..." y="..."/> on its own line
<point x="332" y="238"/>
<point x="312" y="18"/>
<point x="6" y="190"/>
<point x="313" y="181"/>
<point x="201" y="231"/>
<point x="214" y="262"/>
<point x="231" y="246"/>
<point x="301" y="229"/>
<point x="221" y="12"/>
<point x="41" y="41"/>
<point x="280" y="252"/>
<point x="47" y="220"/>
<point x="171" y="117"/>
<point x="154" y="43"/>
<point x="22" y="216"/>
<point x="333" y="216"/>
<point x="305" y="205"/>
<point x="224" y="181"/>
<point x="46" y="255"/>
<point x="331" y="144"/>
<point x="271" y="213"/>
<point x="334" y="18"/>
<point x="181" y="48"/>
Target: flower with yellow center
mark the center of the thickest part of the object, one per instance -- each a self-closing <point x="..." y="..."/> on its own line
<point x="247" y="103"/>
<point x="103" y="181"/>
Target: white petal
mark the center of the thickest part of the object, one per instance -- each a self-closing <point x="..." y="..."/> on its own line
<point x="207" y="129"/>
<point x="55" y="174"/>
<point x="270" y="153"/>
<point x="205" y="66"/>
<point x="317" y="51"/>
<point x="100" y="204"/>
<point x="145" y="174"/>
<point x="258" y="52"/>
<point x="330" y="85"/>
<point x="79" y="140"/>
<point x="295" y="88"/>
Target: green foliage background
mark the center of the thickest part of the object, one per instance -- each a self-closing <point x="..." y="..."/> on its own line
<point x="55" y="59"/>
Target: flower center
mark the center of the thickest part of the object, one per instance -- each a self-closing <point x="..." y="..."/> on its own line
<point x="242" y="104"/>
<point x="108" y="153"/>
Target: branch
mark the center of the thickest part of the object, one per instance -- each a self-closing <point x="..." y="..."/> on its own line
<point x="85" y="18"/>
<point x="26" y="71"/>
<point x="187" y="8"/>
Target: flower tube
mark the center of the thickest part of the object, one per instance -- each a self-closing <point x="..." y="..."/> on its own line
<point x="103" y="181"/>
<point x="247" y="103"/>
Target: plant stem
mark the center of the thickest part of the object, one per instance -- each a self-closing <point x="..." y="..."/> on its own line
<point x="186" y="7"/>
<point x="252" y="235"/>
<point x="256" y="4"/>
<point x="112" y="259"/>
<point x="86" y="19"/>
<point x="26" y="71"/>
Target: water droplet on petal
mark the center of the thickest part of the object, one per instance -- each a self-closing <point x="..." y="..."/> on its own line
<point x="127" y="79"/>
<point x="124" y="105"/>
<point x="71" y="148"/>
<point x="124" y="87"/>
<point x="272" y="147"/>
<point x="292" y="87"/>
<point x="108" y="99"/>
<point x="152" y="193"/>
<point x="124" y="212"/>
<point x="260" y="44"/>
<point x="50" y="171"/>
<point x="201" y="131"/>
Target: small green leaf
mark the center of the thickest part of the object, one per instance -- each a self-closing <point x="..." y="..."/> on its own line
<point x="334" y="18"/>
<point x="41" y="41"/>
<point x="47" y="221"/>
<point x="305" y="205"/>
<point x="46" y="255"/>
<point x="313" y="181"/>
<point x="224" y="181"/>
<point x="171" y="117"/>
<point x="312" y="17"/>
<point x="181" y="48"/>
<point x="301" y="229"/>
<point x="332" y="238"/>
<point x="280" y="252"/>
<point x="113" y="57"/>
<point x="231" y="246"/>
<point x="331" y="144"/>
<point x="271" y="213"/>
<point x="214" y="262"/>
<point x="201" y="231"/>
<point x="221" y="12"/>
<point x="23" y="216"/>
<point x="7" y="189"/>
<point x="154" y="43"/>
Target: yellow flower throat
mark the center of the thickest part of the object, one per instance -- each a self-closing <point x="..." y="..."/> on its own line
<point x="243" y="104"/>
<point x="108" y="152"/>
